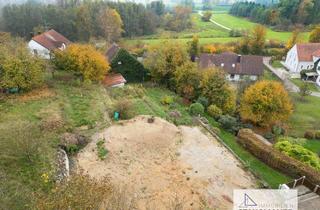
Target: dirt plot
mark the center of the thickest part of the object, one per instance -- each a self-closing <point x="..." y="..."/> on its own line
<point x="161" y="165"/>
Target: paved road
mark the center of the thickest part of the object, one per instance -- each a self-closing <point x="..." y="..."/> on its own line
<point x="214" y="22"/>
<point x="284" y="76"/>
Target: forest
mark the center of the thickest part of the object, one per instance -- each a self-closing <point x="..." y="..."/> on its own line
<point x="75" y="20"/>
<point x="285" y="13"/>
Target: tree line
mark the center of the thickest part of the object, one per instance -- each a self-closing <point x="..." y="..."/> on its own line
<point x="283" y="14"/>
<point x="77" y="21"/>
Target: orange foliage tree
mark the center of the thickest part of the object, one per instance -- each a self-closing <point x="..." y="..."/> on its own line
<point x="265" y="103"/>
<point x="84" y="60"/>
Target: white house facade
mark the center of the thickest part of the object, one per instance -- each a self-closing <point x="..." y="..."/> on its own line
<point x="302" y="57"/>
<point x="38" y="49"/>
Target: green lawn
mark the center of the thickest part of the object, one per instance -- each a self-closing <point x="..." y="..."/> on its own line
<point x="312" y="86"/>
<point x="306" y="115"/>
<point x="313" y="145"/>
<point x="276" y="64"/>
<point x="268" y="75"/>
<point x="244" y="24"/>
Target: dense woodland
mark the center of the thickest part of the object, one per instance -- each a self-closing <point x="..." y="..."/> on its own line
<point x="82" y="21"/>
<point x="286" y="13"/>
<point x="74" y="20"/>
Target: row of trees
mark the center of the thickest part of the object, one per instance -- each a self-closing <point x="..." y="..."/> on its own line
<point x="285" y="13"/>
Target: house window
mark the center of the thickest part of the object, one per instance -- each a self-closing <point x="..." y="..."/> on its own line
<point x="222" y="65"/>
<point x="35" y="52"/>
<point x="233" y="65"/>
<point x="232" y="76"/>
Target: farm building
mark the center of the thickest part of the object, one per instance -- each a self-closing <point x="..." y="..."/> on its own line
<point x="114" y="80"/>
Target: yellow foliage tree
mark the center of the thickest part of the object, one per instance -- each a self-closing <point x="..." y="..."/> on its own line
<point x="84" y="60"/>
<point x="265" y="103"/>
<point x="187" y="79"/>
<point x="315" y="35"/>
<point x="258" y="39"/>
<point x="111" y="24"/>
<point x="163" y="60"/>
<point x="294" y="39"/>
<point x="216" y="89"/>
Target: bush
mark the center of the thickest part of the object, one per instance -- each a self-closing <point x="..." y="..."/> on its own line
<point x="299" y="152"/>
<point x="300" y="141"/>
<point x="317" y="135"/>
<point x="214" y="111"/>
<point x="309" y="134"/>
<point x="102" y="151"/>
<point x="204" y="101"/>
<point x="196" y="109"/>
<point x="167" y="100"/>
<point x="278" y="130"/>
<point x="229" y="123"/>
<point x="269" y="136"/>
<point x="124" y="107"/>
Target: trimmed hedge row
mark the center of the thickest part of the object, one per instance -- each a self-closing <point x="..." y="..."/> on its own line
<point x="275" y="159"/>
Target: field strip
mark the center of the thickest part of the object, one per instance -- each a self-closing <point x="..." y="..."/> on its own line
<point x="214" y="22"/>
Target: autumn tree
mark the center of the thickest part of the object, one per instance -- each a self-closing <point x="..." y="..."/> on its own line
<point x="179" y="20"/>
<point x="265" y="103"/>
<point x="84" y="60"/>
<point x="304" y="90"/>
<point x="258" y="39"/>
<point x="163" y="60"/>
<point x="193" y="48"/>
<point x="315" y="35"/>
<point x="83" y="23"/>
<point x="216" y="89"/>
<point x="294" y="39"/>
<point x="111" y="24"/>
<point x="187" y="80"/>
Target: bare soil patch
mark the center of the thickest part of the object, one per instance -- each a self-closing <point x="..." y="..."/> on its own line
<point x="161" y="165"/>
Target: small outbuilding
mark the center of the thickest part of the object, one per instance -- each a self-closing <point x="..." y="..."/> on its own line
<point x="114" y="80"/>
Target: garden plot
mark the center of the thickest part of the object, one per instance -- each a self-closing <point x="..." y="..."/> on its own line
<point x="160" y="165"/>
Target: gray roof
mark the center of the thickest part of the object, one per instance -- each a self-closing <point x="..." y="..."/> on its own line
<point x="112" y="51"/>
<point x="233" y="63"/>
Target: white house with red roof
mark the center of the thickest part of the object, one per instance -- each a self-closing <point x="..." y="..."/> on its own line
<point x="303" y="57"/>
<point x="43" y="44"/>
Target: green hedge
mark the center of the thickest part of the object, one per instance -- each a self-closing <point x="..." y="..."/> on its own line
<point x="274" y="158"/>
<point x="130" y="68"/>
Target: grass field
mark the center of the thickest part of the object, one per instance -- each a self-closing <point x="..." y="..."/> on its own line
<point x="306" y="115"/>
<point x="30" y="128"/>
<point x="312" y="86"/>
<point x="211" y="33"/>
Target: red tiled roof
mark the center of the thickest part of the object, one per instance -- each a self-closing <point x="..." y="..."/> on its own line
<point x="305" y="51"/>
<point x="113" y="79"/>
<point x="233" y="63"/>
<point x="51" y="40"/>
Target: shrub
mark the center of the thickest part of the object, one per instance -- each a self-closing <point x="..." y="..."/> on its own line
<point x="196" y="109"/>
<point x="229" y="123"/>
<point x="204" y="101"/>
<point x="278" y="130"/>
<point x="214" y="111"/>
<point x="124" y="107"/>
<point x="309" y="134"/>
<point x="167" y="100"/>
<point x="317" y="135"/>
<point x="300" y="141"/>
<point x="102" y="151"/>
<point x="299" y="152"/>
<point x="269" y="136"/>
<point x="206" y="16"/>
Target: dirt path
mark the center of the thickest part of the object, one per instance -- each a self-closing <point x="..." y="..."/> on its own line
<point x="162" y="165"/>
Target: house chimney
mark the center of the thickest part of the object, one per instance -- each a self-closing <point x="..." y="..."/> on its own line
<point x="239" y="58"/>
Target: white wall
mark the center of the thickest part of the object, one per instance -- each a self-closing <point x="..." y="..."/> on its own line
<point x="238" y="77"/>
<point x="292" y="59"/>
<point x="41" y="51"/>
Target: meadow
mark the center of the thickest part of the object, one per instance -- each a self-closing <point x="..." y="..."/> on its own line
<point x="209" y="32"/>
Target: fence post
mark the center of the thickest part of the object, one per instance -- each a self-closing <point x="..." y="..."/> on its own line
<point x="295" y="183"/>
<point x="316" y="188"/>
<point x="303" y="178"/>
